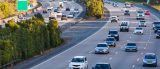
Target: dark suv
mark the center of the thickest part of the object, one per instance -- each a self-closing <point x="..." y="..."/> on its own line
<point x="114" y="33"/>
<point x="111" y="41"/>
<point x="102" y="66"/>
<point x="126" y="12"/>
<point x="158" y="34"/>
<point x="156" y="28"/>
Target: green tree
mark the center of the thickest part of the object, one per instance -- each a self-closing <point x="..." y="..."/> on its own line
<point x="12" y="25"/>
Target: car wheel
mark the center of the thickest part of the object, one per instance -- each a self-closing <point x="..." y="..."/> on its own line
<point x="144" y="65"/>
<point x="114" y="45"/>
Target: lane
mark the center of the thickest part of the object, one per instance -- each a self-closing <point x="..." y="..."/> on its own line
<point x="117" y="57"/>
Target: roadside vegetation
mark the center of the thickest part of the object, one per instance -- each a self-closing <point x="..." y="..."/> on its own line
<point x="95" y="8"/>
<point x="23" y="40"/>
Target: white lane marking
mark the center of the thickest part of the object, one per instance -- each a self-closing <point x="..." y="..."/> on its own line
<point x="133" y="66"/>
<point x="110" y="58"/>
<point x="137" y="59"/>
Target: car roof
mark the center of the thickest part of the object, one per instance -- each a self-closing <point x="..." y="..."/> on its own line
<point x="113" y="30"/>
<point x="102" y="43"/>
<point x="110" y="37"/>
<point x="138" y="28"/>
<point x="102" y="63"/>
<point x="150" y="54"/>
<point x="78" y="56"/>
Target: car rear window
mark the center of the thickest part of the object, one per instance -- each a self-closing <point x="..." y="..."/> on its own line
<point x="101" y="45"/>
<point x="102" y="66"/>
<point x="110" y="39"/>
<point x="113" y="32"/>
<point x="131" y="44"/>
<point x="150" y="57"/>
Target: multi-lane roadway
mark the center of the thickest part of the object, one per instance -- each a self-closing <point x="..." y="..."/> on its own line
<point x="118" y="58"/>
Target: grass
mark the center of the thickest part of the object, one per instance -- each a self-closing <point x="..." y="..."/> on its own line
<point x="157" y="6"/>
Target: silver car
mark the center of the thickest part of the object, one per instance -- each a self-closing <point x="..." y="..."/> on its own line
<point x="150" y="59"/>
<point x="102" y="48"/>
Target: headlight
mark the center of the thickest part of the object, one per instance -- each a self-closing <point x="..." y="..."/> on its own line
<point x="153" y="61"/>
<point x="144" y="61"/>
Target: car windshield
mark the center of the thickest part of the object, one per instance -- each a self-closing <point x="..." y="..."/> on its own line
<point x="150" y="57"/>
<point x="142" y="21"/>
<point x="102" y="66"/>
<point x="113" y="32"/>
<point x="140" y="11"/>
<point x="110" y="39"/>
<point x="131" y="44"/>
<point x="101" y="45"/>
<point x="138" y="28"/>
<point x="77" y="60"/>
<point x="124" y="24"/>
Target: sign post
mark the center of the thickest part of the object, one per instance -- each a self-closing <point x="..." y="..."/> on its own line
<point x="22" y="5"/>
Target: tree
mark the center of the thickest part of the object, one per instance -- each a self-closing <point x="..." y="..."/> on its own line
<point x="39" y="16"/>
<point x="95" y="8"/>
<point x="12" y="25"/>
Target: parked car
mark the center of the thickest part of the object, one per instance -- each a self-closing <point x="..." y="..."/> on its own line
<point x="138" y="30"/>
<point x="102" y="48"/>
<point x="155" y="24"/>
<point x="102" y="66"/>
<point x="142" y="23"/>
<point x="130" y="47"/>
<point x="78" y="62"/>
<point x="111" y="41"/>
<point x="64" y="17"/>
<point x="114" y="33"/>
<point x="44" y="11"/>
<point x="156" y="28"/>
<point x="76" y="11"/>
<point x="124" y="26"/>
<point x="67" y="9"/>
<point x="150" y="59"/>
<point x="71" y="15"/>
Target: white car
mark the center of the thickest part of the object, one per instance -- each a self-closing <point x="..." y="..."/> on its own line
<point x="78" y="62"/>
<point x="142" y="23"/>
<point x="102" y="48"/>
<point x="70" y="15"/>
<point x="138" y="30"/>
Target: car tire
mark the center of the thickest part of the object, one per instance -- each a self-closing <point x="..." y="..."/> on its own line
<point x="144" y="65"/>
<point x="114" y="45"/>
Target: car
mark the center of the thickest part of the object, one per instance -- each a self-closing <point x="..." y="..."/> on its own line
<point x="64" y="17"/>
<point x="127" y="5"/>
<point x="142" y="23"/>
<point x="111" y="41"/>
<point x="147" y="13"/>
<point x="140" y="15"/>
<point x="131" y="47"/>
<point x="76" y="11"/>
<point x="44" y="11"/>
<point x="124" y="26"/>
<point x="138" y="30"/>
<point x="150" y="59"/>
<point x="78" y="62"/>
<point x="67" y="9"/>
<point x="114" y="33"/>
<point x="102" y="48"/>
<point x="55" y="10"/>
<point x="52" y="18"/>
<point x="49" y="8"/>
<point x="115" y="4"/>
<point x="158" y="34"/>
<point x="102" y="66"/>
<point x="114" y="19"/>
<point x="126" y="12"/>
<point x="156" y="28"/>
<point x="155" y="24"/>
<point x="71" y="15"/>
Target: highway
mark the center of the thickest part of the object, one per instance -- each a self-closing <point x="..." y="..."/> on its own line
<point x="118" y="58"/>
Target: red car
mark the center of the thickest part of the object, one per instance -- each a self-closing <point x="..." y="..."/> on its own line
<point x="147" y="13"/>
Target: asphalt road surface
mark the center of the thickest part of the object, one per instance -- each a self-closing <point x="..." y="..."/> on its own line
<point x="118" y="58"/>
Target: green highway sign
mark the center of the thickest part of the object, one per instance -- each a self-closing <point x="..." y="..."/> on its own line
<point x="22" y="5"/>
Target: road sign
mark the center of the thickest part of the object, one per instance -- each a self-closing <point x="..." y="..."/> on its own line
<point x="22" y="5"/>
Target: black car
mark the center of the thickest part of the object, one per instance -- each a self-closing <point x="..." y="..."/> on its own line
<point x="158" y="34"/>
<point x="156" y="28"/>
<point x="126" y="12"/>
<point x="44" y="11"/>
<point x="102" y="66"/>
<point x="114" y="33"/>
<point x="130" y="47"/>
<point x="155" y="24"/>
<point x="67" y="9"/>
<point x="111" y="41"/>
